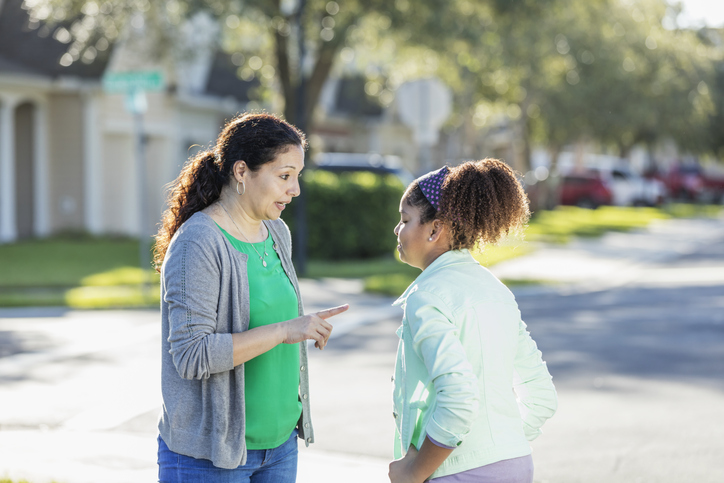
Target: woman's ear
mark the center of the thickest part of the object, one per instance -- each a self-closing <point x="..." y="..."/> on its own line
<point x="239" y="170"/>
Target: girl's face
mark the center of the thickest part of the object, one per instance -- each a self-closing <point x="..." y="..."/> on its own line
<point x="413" y="237"/>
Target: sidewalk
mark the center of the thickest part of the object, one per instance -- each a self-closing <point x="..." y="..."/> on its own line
<point x="79" y="390"/>
<point x="79" y="404"/>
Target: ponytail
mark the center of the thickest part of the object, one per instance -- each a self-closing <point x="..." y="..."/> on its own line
<point x="198" y="186"/>
<point x="482" y="201"/>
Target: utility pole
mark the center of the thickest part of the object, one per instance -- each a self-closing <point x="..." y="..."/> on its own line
<point x="300" y="205"/>
<point x="134" y="85"/>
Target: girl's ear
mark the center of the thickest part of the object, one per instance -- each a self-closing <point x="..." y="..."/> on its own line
<point x="437" y="230"/>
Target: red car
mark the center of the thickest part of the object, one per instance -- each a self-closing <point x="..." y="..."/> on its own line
<point x="586" y="190"/>
<point x="685" y="181"/>
<point x="691" y="182"/>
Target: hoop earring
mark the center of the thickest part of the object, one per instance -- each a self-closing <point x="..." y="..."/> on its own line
<point x="237" y="188"/>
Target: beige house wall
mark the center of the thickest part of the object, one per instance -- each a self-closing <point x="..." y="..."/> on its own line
<point x="159" y="155"/>
<point x="65" y="148"/>
<point x="118" y="184"/>
<point x="24" y="172"/>
<point x="171" y="129"/>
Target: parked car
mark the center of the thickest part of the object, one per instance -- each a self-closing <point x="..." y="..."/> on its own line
<point x="691" y="182"/>
<point x="685" y="181"/>
<point x="631" y="189"/>
<point x="373" y="162"/>
<point x="713" y="189"/>
<point x="587" y="190"/>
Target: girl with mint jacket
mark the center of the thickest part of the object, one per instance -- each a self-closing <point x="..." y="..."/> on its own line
<point x="470" y="387"/>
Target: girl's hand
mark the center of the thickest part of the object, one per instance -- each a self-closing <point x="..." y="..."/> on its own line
<point x="312" y="326"/>
<point x="401" y="471"/>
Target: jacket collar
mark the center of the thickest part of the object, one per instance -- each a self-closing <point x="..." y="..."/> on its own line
<point x="447" y="259"/>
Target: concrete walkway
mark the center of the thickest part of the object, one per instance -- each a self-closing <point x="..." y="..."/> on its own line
<point x="79" y="390"/>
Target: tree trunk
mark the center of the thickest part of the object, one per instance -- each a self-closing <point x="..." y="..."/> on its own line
<point x="551" y="197"/>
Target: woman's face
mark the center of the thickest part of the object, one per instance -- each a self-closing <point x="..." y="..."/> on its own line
<point x="412" y="236"/>
<point x="272" y="187"/>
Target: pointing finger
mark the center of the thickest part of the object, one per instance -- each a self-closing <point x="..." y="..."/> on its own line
<point x="325" y="314"/>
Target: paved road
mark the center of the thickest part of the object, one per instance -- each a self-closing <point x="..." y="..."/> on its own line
<point x="637" y="354"/>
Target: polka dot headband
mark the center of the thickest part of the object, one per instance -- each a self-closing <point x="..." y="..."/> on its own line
<point x="431" y="185"/>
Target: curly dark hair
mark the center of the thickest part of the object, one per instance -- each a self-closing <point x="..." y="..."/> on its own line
<point x="481" y="201"/>
<point x="255" y="138"/>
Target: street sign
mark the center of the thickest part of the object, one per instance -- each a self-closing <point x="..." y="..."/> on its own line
<point x="141" y="80"/>
<point x="424" y="105"/>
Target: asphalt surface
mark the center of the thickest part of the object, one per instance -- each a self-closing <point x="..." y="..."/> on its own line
<point x="632" y="328"/>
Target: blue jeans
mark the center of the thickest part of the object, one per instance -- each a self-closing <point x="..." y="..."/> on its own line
<point x="276" y="465"/>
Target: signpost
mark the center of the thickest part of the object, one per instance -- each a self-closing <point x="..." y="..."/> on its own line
<point x="123" y="82"/>
<point x="134" y="85"/>
<point x="424" y="105"/>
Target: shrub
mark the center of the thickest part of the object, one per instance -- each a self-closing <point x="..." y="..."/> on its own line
<point x="349" y="215"/>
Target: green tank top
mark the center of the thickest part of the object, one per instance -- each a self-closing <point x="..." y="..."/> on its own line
<point x="271" y="380"/>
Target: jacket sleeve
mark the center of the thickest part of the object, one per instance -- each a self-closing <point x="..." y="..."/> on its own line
<point x="192" y="280"/>
<point x="537" y="399"/>
<point x="436" y="342"/>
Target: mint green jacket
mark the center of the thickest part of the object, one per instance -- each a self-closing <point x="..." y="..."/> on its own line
<point x="468" y="373"/>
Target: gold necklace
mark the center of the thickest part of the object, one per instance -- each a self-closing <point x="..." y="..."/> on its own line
<point x="261" y="257"/>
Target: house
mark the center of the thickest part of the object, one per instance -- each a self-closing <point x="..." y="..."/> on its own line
<point x="68" y="149"/>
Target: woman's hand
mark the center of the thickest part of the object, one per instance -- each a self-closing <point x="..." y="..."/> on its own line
<point x="401" y="471"/>
<point x="312" y="326"/>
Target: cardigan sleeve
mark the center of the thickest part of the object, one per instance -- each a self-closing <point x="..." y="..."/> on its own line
<point x="192" y="279"/>
<point x="436" y="342"/>
<point x="532" y="383"/>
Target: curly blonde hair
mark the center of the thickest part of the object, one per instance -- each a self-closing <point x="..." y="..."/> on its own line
<point x="481" y="201"/>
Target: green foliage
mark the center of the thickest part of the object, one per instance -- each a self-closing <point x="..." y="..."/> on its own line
<point x="349" y="215"/>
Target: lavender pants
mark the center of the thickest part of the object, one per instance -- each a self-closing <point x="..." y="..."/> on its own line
<point x="516" y="470"/>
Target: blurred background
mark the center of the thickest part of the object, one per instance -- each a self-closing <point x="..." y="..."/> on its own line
<point x="611" y="111"/>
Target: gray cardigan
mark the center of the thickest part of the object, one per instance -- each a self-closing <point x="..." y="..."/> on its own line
<point x="205" y="299"/>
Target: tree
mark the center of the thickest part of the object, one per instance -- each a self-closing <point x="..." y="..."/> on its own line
<point x="291" y="46"/>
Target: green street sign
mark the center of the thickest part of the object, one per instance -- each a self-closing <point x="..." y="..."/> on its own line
<point x="141" y="80"/>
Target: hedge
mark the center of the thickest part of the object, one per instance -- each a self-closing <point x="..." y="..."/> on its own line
<point x="349" y="215"/>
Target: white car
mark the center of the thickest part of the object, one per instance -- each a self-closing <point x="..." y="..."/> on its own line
<point x="631" y="189"/>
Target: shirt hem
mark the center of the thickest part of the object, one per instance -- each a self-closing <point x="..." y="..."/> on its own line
<point x="468" y="461"/>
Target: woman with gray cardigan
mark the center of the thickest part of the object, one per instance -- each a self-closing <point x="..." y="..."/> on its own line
<point x="234" y="360"/>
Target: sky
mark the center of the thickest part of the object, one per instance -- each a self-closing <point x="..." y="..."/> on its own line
<point x="701" y="12"/>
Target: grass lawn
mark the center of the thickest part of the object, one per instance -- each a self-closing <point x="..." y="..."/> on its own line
<point x="81" y="272"/>
<point x="7" y="480"/>
<point x="90" y="272"/>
